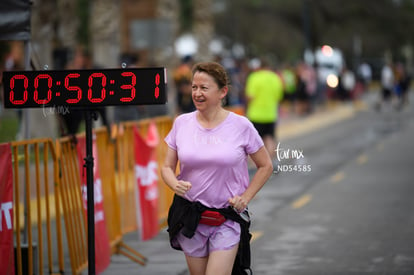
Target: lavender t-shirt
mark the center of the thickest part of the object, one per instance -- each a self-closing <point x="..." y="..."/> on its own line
<point x="214" y="160"/>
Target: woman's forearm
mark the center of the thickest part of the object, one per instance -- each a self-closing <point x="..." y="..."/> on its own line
<point x="169" y="177"/>
<point x="259" y="179"/>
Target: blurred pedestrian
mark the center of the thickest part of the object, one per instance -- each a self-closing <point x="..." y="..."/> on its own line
<point x="307" y="88"/>
<point x="290" y="82"/>
<point x="387" y="85"/>
<point x="12" y="62"/>
<point x="208" y="218"/>
<point x="230" y="65"/>
<point x="365" y="73"/>
<point x="402" y="83"/>
<point x="363" y="78"/>
<point x="346" y="85"/>
<point x="264" y="92"/>
<point x="182" y="81"/>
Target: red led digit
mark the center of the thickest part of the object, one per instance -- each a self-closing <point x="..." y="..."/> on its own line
<point x="36" y="86"/>
<point x="26" y="84"/>
<point x="103" y="91"/>
<point x="157" y="89"/>
<point x="73" y="88"/>
<point x="130" y="87"/>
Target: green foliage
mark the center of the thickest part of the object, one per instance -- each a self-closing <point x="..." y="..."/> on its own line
<point x="9" y="126"/>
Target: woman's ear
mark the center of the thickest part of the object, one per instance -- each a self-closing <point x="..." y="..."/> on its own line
<point x="224" y="92"/>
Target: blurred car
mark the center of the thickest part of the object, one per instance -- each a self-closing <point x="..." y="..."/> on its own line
<point x="329" y="63"/>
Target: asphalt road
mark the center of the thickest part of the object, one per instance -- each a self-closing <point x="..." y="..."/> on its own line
<point x="353" y="213"/>
<point x="342" y="203"/>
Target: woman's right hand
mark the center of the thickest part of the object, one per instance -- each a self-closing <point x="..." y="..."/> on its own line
<point x="182" y="187"/>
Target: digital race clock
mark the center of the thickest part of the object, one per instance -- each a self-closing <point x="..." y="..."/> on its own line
<point x="84" y="88"/>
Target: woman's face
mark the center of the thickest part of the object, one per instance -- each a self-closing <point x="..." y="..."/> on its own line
<point x="205" y="91"/>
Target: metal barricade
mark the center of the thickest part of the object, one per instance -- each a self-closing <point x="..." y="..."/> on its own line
<point x="37" y="213"/>
<point x="74" y="215"/>
<point x="40" y="204"/>
<point x="119" y="181"/>
<point x="126" y="156"/>
<point x="114" y="195"/>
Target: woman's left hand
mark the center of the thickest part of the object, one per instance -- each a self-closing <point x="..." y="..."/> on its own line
<point x="238" y="202"/>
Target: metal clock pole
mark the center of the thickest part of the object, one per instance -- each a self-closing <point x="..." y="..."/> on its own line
<point x="89" y="116"/>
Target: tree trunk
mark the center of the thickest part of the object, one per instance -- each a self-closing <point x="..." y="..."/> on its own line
<point x="104" y="31"/>
<point x="68" y="24"/>
<point x="203" y="28"/>
<point x="37" y="123"/>
<point x="168" y="10"/>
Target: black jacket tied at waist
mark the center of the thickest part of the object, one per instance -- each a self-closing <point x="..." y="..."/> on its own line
<point x="184" y="216"/>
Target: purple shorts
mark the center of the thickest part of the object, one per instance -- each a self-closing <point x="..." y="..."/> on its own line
<point x="210" y="238"/>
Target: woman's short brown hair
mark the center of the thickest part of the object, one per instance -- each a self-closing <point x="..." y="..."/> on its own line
<point x="214" y="69"/>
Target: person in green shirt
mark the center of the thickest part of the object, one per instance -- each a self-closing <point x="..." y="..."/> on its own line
<point x="264" y="92"/>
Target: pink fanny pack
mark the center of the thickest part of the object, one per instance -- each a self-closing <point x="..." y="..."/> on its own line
<point x="212" y="218"/>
